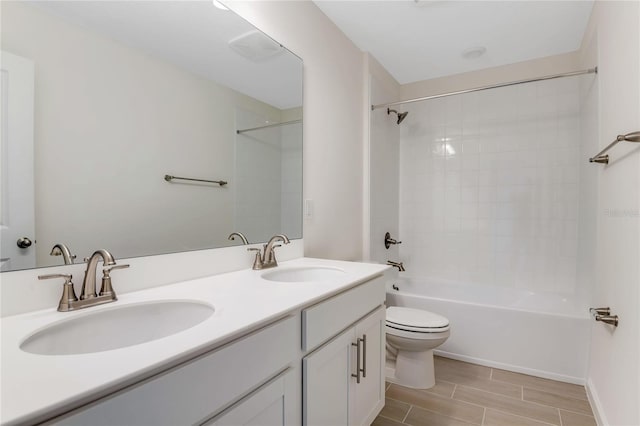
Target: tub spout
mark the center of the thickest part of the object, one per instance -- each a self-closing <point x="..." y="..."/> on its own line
<point x="398" y="265"/>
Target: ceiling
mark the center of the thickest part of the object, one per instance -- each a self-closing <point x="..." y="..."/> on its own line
<point x="420" y="40"/>
<point x="194" y="35"/>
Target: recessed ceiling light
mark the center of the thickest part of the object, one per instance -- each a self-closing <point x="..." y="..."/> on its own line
<point x="219" y="5"/>
<point x="474" y="52"/>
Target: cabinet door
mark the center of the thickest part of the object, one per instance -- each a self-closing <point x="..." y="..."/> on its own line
<point x="367" y="397"/>
<point x="266" y="406"/>
<point x="326" y="380"/>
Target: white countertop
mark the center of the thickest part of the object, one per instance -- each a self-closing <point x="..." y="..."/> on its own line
<point x="35" y="385"/>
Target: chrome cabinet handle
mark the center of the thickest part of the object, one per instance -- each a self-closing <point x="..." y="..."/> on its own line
<point x="23" y="242"/>
<point x="358" y="369"/>
<point x="364" y="355"/>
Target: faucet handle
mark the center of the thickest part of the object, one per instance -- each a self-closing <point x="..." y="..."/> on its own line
<point x="272" y="254"/>
<point x="107" y="289"/>
<point x="68" y="293"/>
<point x="107" y="270"/>
<point x="67" y="277"/>
<point x="257" y="262"/>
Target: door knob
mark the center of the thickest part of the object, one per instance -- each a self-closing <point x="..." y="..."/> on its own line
<point x="24" y="242"/>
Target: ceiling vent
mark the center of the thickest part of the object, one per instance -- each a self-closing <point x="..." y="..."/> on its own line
<point x="255" y="46"/>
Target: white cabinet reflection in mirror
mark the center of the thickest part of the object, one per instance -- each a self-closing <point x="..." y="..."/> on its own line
<point x="128" y="92"/>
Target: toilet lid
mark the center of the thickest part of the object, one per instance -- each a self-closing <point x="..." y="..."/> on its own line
<point x="414" y="318"/>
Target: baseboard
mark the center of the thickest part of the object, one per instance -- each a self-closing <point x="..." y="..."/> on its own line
<point x="596" y="405"/>
<point x="514" y="368"/>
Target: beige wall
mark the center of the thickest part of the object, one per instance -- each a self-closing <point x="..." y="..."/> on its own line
<point x="333" y="117"/>
<point x="612" y="42"/>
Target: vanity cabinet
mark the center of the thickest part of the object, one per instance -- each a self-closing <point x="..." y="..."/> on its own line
<point x="196" y="391"/>
<point x="343" y="380"/>
<point x="321" y="365"/>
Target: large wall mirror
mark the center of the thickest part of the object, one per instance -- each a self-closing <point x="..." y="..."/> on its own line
<point x="102" y="100"/>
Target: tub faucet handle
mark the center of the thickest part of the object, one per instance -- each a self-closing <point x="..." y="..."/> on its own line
<point x="388" y="241"/>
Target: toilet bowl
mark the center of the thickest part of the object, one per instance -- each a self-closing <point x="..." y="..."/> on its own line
<point x="412" y="334"/>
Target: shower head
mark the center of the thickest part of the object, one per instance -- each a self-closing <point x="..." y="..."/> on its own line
<point x="401" y="115"/>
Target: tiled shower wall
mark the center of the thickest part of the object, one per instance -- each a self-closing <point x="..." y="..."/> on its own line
<point x="490" y="187"/>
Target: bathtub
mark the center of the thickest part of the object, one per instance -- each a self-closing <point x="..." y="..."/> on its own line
<point x="543" y="335"/>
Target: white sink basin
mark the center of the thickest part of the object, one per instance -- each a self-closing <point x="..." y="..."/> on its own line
<point x="117" y="328"/>
<point x="303" y="274"/>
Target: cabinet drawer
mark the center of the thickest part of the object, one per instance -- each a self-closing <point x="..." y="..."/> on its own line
<point x="326" y="319"/>
<point x="266" y="406"/>
<point x="192" y="392"/>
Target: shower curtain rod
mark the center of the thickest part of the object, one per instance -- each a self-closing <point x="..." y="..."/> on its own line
<point x="284" y="123"/>
<point x="493" y="86"/>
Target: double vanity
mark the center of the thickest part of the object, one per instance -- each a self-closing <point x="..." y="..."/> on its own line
<point x="302" y="343"/>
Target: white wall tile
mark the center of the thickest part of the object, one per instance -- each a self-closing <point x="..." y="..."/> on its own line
<point x="490" y="191"/>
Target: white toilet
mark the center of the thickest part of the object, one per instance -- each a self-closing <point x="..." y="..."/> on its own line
<point x="412" y="334"/>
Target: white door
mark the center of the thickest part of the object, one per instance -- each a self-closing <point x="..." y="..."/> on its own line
<point x="17" y="217"/>
<point x="367" y="397"/>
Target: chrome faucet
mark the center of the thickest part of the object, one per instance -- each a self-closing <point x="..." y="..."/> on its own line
<point x="238" y="234"/>
<point x="88" y="297"/>
<point x="398" y="265"/>
<point x="89" y="282"/>
<point x="269" y="254"/>
<point x="267" y="259"/>
<point x="60" y="249"/>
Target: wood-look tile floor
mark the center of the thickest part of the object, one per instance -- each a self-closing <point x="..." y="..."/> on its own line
<point x="470" y="394"/>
